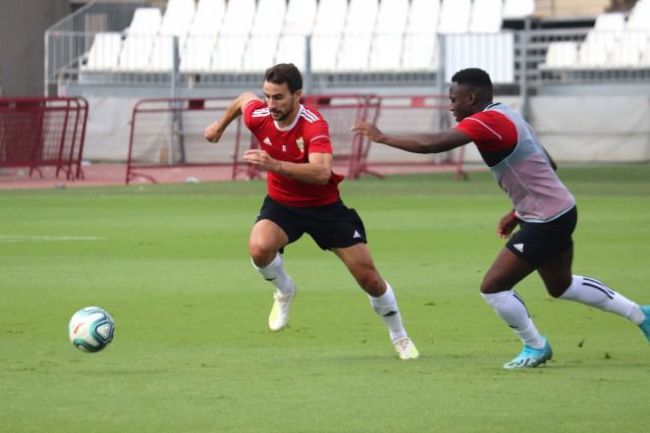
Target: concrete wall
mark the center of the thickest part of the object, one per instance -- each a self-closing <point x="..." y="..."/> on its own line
<point x="22" y="27"/>
<point x="575" y="128"/>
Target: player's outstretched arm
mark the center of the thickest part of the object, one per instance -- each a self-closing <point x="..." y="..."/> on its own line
<point x="213" y="132"/>
<point x="416" y="143"/>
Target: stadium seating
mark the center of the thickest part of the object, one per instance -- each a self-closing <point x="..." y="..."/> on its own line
<point x="517" y="9"/>
<point x="347" y="36"/>
<point x="175" y="22"/>
<point x="596" y="50"/>
<point x="104" y="52"/>
<point x="298" y="23"/>
<point x="357" y="35"/>
<point x="387" y="44"/>
<point x="140" y="36"/>
<point x="421" y="36"/>
<point x="265" y="32"/>
<point x="326" y="36"/>
<point x="486" y="16"/>
<point x="454" y="16"/>
<point x="233" y="36"/>
<point x="639" y="18"/>
<point x="202" y="36"/>
<point x="613" y="43"/>
<point x="561" y="54"/>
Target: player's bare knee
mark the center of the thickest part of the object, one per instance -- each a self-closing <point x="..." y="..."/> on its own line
<point x="372" y="283"/>
<point x="489" y="285"/>
<point x="260" y="254"/>
<point x="556" y="290"/>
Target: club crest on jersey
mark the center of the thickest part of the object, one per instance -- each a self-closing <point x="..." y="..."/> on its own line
<point x="301" y="144"/>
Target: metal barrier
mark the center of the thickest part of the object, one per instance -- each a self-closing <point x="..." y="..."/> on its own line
<point x="415" y="114"/>
<point x="168" y="132"/>
<point x="341" y="111"/>
<point x="42" y="132"/>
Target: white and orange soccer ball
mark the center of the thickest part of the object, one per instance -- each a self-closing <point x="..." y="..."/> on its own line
<point x="91" y="329"/>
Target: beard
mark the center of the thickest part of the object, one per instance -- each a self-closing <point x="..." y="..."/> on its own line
<point x="279" y="116"/>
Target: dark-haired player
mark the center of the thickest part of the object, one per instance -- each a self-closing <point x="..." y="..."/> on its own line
<point x="543" y="208"/>
<point x="303" y="197"/>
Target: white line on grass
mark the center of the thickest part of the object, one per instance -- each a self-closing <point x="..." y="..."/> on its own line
<point x="8" y="238"/>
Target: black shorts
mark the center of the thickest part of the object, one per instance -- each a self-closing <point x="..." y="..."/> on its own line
<point x="331" y="226"/>
<point x="538" y="242"/>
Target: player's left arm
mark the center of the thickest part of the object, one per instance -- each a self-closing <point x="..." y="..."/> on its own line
<point x="317" y="170"/>
<point x="416" y="143"/>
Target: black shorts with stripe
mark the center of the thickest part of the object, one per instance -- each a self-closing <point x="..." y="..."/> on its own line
<point x="539" y="242"/>
<point x="331" y="226"/>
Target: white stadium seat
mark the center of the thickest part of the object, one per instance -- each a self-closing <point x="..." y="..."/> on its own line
<point x="486" y="16"/>
<point x="326" y="37"/>
<point x="104" y="53"/>
<point x="421" y="36"/>
<point x="387" y="44"/>
<point x="298" y="24"/>
<point x="263" y="43"/>
<point x="357" y="35"/>
<point x="140" y="36"/>
<point x="202" y="37"/>
<point x="175" y="22"/>
<point x="518" y="9"/>
<point x="629" y="49"/>
<point x="639" y="18"/>
<point x="233" y="35"/>
<point x="594" y="51"/>
<point x="645" y="57"/>
<point x="178" y="17"/>
<point x="562" y="54"/>
<point x="454" y="16"/>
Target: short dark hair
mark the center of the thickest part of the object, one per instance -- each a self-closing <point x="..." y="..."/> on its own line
<point x="473" y="77"/>
<point x="284" y="73"/>
<point x="477" y="79"/>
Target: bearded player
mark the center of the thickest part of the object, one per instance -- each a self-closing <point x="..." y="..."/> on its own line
<point x="303" y="197"/>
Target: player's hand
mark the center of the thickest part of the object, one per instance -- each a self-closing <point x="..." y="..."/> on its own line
<point x="260" y="159"/>
<point x="213" y="132"/>
<point x="367" y="129"/>
<point x="507" y="224"/>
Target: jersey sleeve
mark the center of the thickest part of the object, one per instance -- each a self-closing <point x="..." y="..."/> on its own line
<point x="489" y="130"/>
<point x="251" y="107"/>
<point x="319" y="137"/>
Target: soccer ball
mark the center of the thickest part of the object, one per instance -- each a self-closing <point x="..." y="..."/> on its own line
<point x="91" y="329"/>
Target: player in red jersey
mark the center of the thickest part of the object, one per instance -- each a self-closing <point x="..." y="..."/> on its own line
<point x="303" y="197"/>
<point x="543" y="207"/>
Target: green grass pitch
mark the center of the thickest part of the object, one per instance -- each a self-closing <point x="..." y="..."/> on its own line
<point x="192" y="353"/>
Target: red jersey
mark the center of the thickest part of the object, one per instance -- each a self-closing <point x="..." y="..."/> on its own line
<point x="308" y="133"/>
<point x="494" y="135"/>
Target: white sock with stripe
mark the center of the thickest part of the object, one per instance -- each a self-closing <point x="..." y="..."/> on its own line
<point x="596" y="294"/>
<point x="275" y="274"/>
<point x="512" y="309"/>
<point x="386" y="306"/>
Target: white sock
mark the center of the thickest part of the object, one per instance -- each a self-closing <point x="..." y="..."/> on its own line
<point x="512" y="310"/>
<point x="596" y="294"/>
<point x="275" y="274"/>
<point x="386" y="306"/>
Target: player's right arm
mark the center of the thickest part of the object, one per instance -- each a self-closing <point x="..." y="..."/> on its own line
<point x="213" y="132"/>
<point x="416" y="143"/>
